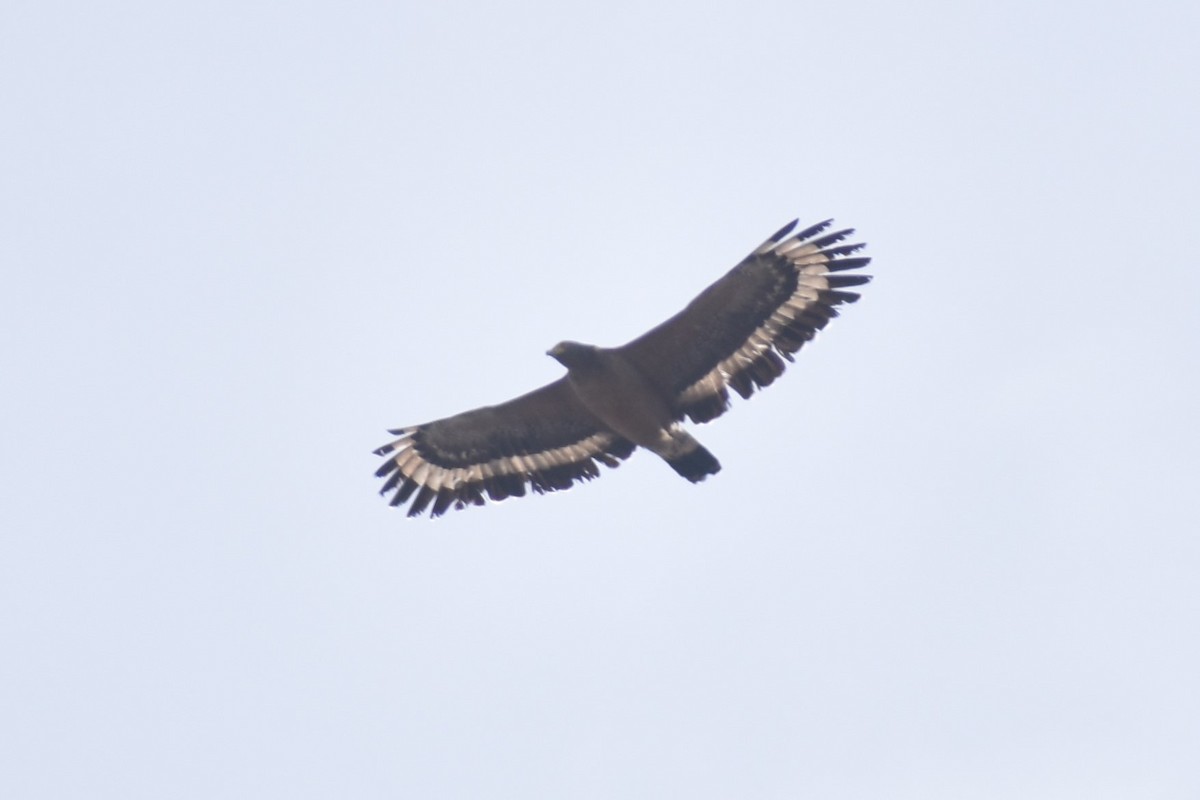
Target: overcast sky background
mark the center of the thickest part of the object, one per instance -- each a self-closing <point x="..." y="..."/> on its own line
<point x="954" y="552"/>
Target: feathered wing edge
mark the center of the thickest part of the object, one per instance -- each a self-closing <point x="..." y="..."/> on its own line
<point x="815" y="265"/>
<point x="411" y="470"/>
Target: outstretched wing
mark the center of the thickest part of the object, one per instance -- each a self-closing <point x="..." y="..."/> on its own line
<point x="734" y="332"/>
<point x="545" y="438"/>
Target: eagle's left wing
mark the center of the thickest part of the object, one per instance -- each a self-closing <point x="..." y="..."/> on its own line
<point x="545" y="438"/>
<point x="734" y="332"/>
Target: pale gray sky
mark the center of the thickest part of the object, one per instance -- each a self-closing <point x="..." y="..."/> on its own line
<point x="953" y="553"/>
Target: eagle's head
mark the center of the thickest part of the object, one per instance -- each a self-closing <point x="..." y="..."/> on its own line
<point x="572" y="354"/>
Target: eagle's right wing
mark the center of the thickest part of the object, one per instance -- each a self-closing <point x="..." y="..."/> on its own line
<point x="734" y="332"/>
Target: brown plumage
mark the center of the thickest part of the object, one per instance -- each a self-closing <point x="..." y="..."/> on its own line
<point x="735" y="334"/>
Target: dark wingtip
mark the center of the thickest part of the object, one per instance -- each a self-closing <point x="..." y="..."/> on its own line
<point x="779" y="235"/>
<point x="832" y="238"/>
<point x="813" y="230"/>
<point x="839" y="281"/>
<point x="842" y="264"/>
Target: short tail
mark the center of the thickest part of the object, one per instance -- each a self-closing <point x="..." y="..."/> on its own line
<point x="695" y="464"/>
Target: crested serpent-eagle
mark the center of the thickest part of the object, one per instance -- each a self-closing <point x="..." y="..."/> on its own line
<point x="735" y="335"/>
